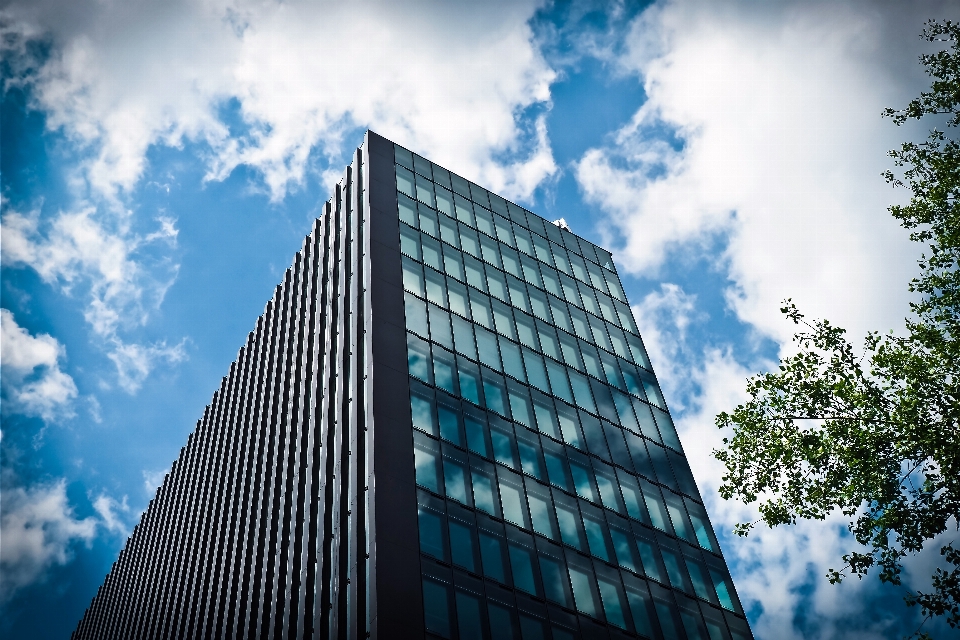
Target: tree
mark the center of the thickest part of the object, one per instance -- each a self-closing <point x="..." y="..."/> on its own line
<point x="875" y="433"/>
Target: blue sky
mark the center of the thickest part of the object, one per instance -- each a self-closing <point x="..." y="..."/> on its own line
<point x="161" y="162"/>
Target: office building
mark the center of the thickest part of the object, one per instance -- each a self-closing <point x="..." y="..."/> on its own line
<point x="444" y="425"/>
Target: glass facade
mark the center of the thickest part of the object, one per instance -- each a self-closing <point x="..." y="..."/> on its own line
<point x="553" y="496"/>
<point x="444" y="425"/>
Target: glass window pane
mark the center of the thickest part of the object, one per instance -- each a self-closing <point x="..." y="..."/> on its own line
<point x="520" y="404"/>
<point x="444" y="201"/>
<point x="523" y="568"/>
<point x="623" y="547"/>
<point x="409" y="242"/>
<point x="582" y="581"/>
<point x="484" y="221"/>
<point x="580" y="326"/>
<point x="403" y="156"/>
<point x="496" y="285"/>
<point x="487" y="348"/>
<point x="551" y="282"/>
<point x="440" y="327"/>
<point x="457" y="298"/>
<point x="608" y="487"/>
<point x="464" y="210"/>
<point x="641" y="605"/>
<point x="503" y="320"/>
<point x="455" y="477"/>
<point x="554" y="574"/>
<point x="561" y="317"/>
<point x="582" y="476"/>
<point x="436" y="287"/>
<point x="493" y="549"/>
<point x="480" y="308"/>
<point x="595" y="528"/>
<point x="560" y="258"/>
<point x="701" y="526"/>
<point x="408" y="211"/>
<point x="421" y="408"/>
<point x="678" y="516"/>
<point x="654" y="501"/>
<point x="453" y="263"/>
<point x="522" y="236"/>
<point x="512" y="499"/>
<point x="427" y="461"/>
<point x="412" y="277"/>
<point x="532" y="628"/>
<point x="501" y="436"/>
<point x="415" y="311"/>
<point x="612" y="596"/>
<point x="428" y="222"/>
<point x="531" y="458"/>
<point x="494" y="392"/>
<point x="511" y="261"/>
<point x="541" y="510"/>
<point x="405" y="182"/>
<point x="569" y="426"/>
<point x="632" y="498"/>
<point x="431" y="533"/>
<point x="531" y="273"/>
<point x="469" y="616"/>
<point x="593" y="434"/>
<point x="548" y="340"/>
<point x="463" y="544"/>
<point x="667" y="430"/>
<point x="512" y="362"/>
<point x="418" y="358"/>
<point x="568" y="518"/>
<point x="463" y="338"/>
<point x="558" y="381"/>
<point x="538" y="305"/>
<point x="436" y="607"/>
<point x="475" y="426"/>
<point x="504" y="230"/>
<point x="444" y="370"/>
<point x="557" y="470"/>
<point x="546" y="415"/>
<point x="536" y="373"/>
<point x="599" y="330"/>
<point x="724" y="589"/>
<point x="676" y="573"/>
<point x="425" y="191"/>
<point x="650" y="557"/>
<point x="469" y="379"/>
<point x="484" y="488"/>
<point x="490" y="251"/>
<point x="448" y="415"/>
<point x="518" y="294"/>
<point x="582" y="393"/>
<point x="473" y="269"/>
<point x="502" y="623"/>
<point x="469" y="241"/>
<point x="702" y="584"/>
<point x="542" y="248"/>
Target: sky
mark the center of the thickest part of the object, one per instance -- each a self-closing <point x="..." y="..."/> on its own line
<point x="161" y="161"/>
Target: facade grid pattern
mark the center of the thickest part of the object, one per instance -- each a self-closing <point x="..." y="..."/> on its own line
<point x="444" y="425"/>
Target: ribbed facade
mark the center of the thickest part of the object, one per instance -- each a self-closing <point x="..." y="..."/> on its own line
<point x="444" y="425"/>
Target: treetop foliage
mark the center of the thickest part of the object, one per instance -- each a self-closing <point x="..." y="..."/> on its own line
<point x="875" y="432"/>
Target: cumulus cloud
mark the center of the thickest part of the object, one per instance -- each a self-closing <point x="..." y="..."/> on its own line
<point x="762" y="125"/>
<point x="448" y="79"/>
<point x="37" y="530"/>
<point x="100" y="255"/>
<point x="112" y="513"/>
<point x="33" y="383"/>
<point x="153" y="479"/>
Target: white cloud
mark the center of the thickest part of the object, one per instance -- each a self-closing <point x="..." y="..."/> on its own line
<point x="152" y="480"/>
<point x="450" y="79"/>
<point x="111" y="513"/>
<point x="33" y="383"/>
<point x="777" y="110"/>
<point x="135" y="361"/>
<point x="100" y="254"/>
<point x="37" y="530"/>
